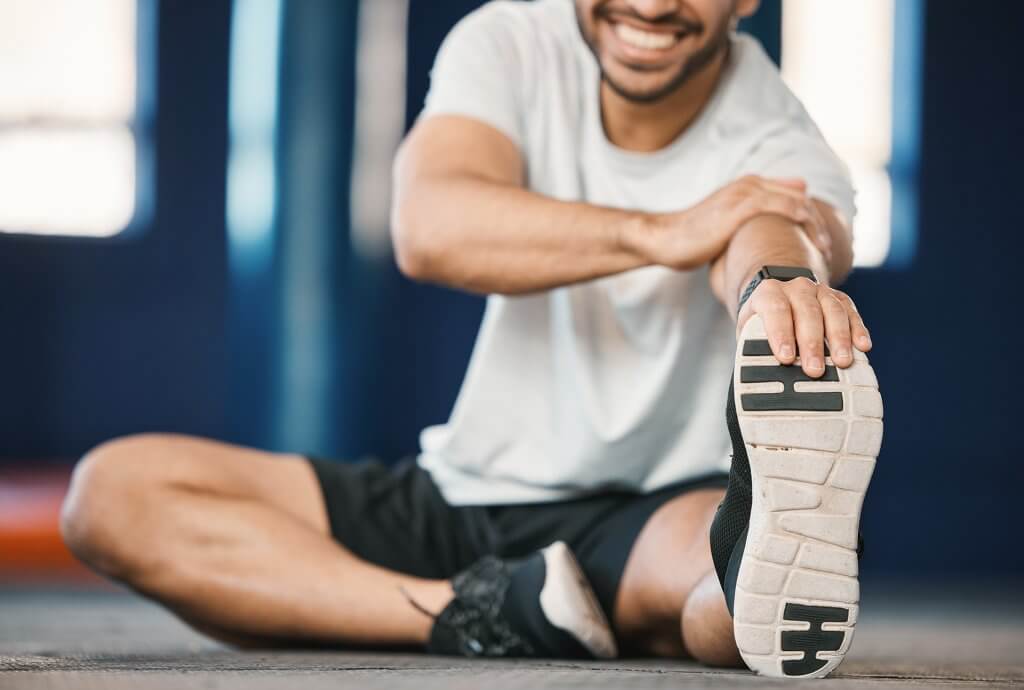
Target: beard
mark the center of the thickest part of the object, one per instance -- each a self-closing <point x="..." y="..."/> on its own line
<point x="716" y="44"/>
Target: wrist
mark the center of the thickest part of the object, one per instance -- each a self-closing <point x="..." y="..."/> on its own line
<point x="635" y="235"/>
<point x="771" y="272"/>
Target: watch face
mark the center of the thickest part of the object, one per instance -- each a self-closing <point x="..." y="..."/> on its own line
<point x="787" y="272"/>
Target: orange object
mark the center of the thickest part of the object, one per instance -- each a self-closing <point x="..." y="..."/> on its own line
<point x="31" y="548"/>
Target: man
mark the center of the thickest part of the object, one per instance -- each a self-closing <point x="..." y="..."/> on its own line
<point x="632" y="185"/>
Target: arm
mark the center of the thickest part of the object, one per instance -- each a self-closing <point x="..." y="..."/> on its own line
<point x="798" y="315"/>
<point x="462" y="217"/>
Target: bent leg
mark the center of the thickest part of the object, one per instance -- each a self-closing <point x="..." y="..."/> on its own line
<point x="236" y="542"/>
<point x="670" y="602"/>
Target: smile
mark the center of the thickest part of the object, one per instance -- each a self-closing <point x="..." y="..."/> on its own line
<point x="645" y="40"/>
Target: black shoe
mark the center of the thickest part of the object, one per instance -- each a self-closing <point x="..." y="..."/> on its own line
<point x="785" y="538"/>
<point x="541" y="606"/>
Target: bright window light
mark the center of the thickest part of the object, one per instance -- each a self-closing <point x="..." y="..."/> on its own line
<point x="380" y="121"/>
<point x="67" y="105"/>
<point x="837" y="57"/>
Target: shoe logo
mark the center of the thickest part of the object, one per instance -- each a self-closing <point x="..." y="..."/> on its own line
<point x="812" y="640"/>
<point x="789" y="398"/>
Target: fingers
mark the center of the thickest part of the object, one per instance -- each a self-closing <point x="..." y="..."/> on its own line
<point x="818" y="232"/>
<point x="795" y="182"/>
<point x="772" y="304"/>
<point x="809" y="325"/>
<point x="799" y="316"/>
<point x="760" y="201"/>
<point x="837" y="327"/>
<point x="858" y="331"/>
<point x="753" y="196"/>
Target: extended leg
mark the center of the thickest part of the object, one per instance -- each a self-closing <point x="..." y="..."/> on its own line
<point x="236" y="542"/>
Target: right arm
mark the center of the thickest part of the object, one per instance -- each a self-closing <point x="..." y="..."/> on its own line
<point x="461" y="216"/>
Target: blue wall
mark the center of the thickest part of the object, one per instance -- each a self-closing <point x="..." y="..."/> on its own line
<point x="946" y="493"/>
<point x="106" y="338"/>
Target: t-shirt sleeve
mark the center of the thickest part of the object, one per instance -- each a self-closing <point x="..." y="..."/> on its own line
<point x="479" y="72"/>
<point x="797" y="149"/>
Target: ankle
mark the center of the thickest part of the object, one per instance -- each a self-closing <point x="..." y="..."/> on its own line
<point x="429" y="598"/>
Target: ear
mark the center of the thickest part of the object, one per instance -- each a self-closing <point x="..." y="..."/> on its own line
<point x="745" y="8"/>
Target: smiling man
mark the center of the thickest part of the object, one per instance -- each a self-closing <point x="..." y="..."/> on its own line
<point x="633" y="186"/>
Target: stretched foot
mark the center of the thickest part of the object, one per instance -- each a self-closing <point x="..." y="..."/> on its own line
<point x="785" y="538"/>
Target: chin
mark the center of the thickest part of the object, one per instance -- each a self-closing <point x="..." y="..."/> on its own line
<point x="640" y="87"/>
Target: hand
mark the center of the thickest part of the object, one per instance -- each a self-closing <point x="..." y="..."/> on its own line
<point x="689" y="239"/>
<point x="799" y="315"/>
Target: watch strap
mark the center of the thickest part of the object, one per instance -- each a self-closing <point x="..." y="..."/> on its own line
<point x="782" y="273"/>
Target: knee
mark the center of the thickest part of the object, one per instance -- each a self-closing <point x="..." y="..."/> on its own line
<point x="104" y="510"/>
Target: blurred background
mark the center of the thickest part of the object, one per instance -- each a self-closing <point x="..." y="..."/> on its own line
<point x="194" y="238"/>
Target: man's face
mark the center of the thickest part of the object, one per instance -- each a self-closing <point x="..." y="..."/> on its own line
<point x="648" y="48"/>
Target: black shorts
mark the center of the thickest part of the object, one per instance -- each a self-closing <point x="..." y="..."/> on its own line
<point x="397" y="518"/>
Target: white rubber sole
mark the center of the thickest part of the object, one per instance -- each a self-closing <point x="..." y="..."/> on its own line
<point x="569" y="603"/>
<point x="797" y="592"/>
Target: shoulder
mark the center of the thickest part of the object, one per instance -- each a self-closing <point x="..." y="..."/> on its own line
<point x="756" y="98"/>
<point x="771" y="133"/>
<point x="522" y="30"/>
<point x="535" y="17"/>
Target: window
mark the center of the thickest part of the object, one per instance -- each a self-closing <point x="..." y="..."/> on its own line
<point x="68" y="116"/>
<point x="855" y="67"/>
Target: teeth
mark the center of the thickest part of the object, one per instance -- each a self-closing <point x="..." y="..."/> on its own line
<point x="644" y="39"/>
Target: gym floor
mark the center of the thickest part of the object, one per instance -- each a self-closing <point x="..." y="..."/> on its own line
<point x="968" y="636"/>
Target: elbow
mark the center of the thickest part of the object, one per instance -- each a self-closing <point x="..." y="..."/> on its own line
<point x="409" y="238"/>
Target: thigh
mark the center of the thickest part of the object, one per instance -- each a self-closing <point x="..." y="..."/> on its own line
<point x="669" y="557"/>
<point x="283" y="482"/>
<point x="395" y="517"/>
<point x="645" y="558"/>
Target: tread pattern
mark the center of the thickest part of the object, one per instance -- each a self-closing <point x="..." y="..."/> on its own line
<point x="797" y="592"/>
<point x="789" y="399"/>
<point x="812" y="640"/>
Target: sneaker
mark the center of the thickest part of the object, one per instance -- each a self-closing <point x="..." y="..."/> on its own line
<point x="541" y="606"/>
<point x="785" y="538"/>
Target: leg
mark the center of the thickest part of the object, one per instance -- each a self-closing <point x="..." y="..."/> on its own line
<point x="237" y="543"/>
<point x="670" y="602"/>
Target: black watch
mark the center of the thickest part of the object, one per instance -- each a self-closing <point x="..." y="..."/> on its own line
<point x="782" y="273"/>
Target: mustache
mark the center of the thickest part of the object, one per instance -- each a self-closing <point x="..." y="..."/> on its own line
<point x="673" y="21"/>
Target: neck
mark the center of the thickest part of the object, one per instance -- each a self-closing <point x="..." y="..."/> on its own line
<point x="647" y="127"/>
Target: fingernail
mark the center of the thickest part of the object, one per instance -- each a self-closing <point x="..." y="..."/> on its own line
<point x="865" y="341"/>
<point x="817" y="363"/>
<point x="786" y="351"/>
<point x="843" y="353"/>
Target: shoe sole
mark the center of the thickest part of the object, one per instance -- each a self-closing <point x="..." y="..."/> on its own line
<point x="569" y="603"/>
<point x="812" y="445"/>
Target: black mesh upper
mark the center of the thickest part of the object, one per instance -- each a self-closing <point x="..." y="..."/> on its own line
<point x="733" y="513"/>
<point x="472" y="623"/>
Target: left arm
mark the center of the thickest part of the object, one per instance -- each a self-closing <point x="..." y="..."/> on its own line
<point x="798" y="315"/>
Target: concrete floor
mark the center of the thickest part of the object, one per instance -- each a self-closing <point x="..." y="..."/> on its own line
<point x="955" y="637"/>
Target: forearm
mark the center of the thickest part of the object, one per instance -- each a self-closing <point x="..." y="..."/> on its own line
<point x="494" y="238"/>
<point x="771" y="240"/>
<point x="764" y="241"/>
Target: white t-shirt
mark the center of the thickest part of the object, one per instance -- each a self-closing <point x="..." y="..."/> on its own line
<point x="618" y="383"/>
